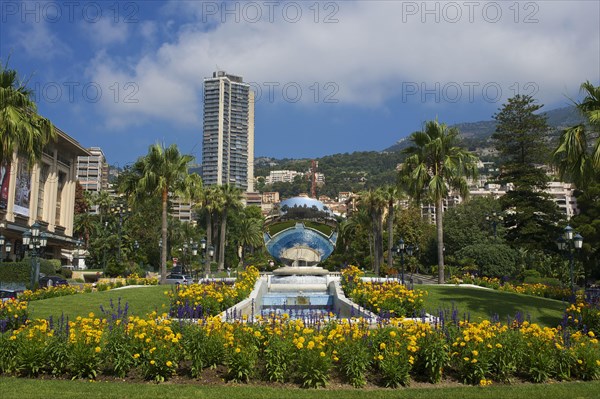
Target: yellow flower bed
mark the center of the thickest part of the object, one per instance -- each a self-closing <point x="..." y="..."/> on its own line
<point x="390" y="298"/>
<point x="202" y="300"/>
<point x="477" y="353"/>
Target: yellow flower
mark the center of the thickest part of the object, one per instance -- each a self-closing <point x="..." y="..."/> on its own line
<point x="380" y="357"/>
<point x="382" y="346"/>
<point x="322" y="354"/>
<point x="238" y="350"/>
<point x="152" y="362"/>
<point x="169" y="363"/>
<point x="136" y="356"/>
<point x="393" y="334"/>
<point x="97" y="349"/>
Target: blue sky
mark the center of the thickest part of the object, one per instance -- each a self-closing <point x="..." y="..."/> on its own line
<point x="330" y="76"/>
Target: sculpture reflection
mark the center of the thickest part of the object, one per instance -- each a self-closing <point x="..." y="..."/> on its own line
<point x="300" y="232"/>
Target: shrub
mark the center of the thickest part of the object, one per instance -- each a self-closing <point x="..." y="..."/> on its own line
<point x="549" y="281"/>
<point x="67" y="273"/>
<point x="20" y="272"/>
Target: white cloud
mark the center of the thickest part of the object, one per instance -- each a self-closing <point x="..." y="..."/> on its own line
<point x="38" y="41"/>
<point x="105" y="31"/>
<point x="148" y="30"/>
<point x="373" y="52"/>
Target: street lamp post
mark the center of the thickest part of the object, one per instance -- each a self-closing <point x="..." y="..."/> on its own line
<point x="4" y="244"/>
<point x="494" y="219"/>
<point x="160" y="244"/>
<point x="194" y="247"/>
<point x="194" y="253"/>
<point x="78" y="253"/>
<point x="136" y="247"/>
<point x="36" y="242"/>
<point x="122" y="212"/>
<point x="400" y="250"/>
<point x="208" y="254"/>
<point x="183" y="260"/>
<point x="569" y="243"/>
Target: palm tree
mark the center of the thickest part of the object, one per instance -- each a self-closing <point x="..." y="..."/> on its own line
<point x="392" y="194"/>
<point x="104" y="201"/>
<point x="249" y="235"/>
<point x="573" y="155"/>
<point x="83" y="225"/>
<point x="232" y="200"/>
<point x="211" y="204"/>
<point x="375" y="203"/>
<point x="354" y="229"/>
<point x="434" y="165"/>
<point x="160" y="172"/>
<point x="21" y="129"/>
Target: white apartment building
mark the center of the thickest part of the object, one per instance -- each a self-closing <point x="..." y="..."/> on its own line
<point x="228" y="138"/>
<point x="92" y="170"/>
<point x="283" y="176"/>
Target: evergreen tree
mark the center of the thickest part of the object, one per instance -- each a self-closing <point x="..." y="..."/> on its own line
<point x="531" y="216"/>
<point x="520" y="133"/>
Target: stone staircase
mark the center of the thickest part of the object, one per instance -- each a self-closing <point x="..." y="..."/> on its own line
<point x="423" y="279"/>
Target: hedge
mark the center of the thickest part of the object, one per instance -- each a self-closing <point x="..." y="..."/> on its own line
<point x="20" y="272"/>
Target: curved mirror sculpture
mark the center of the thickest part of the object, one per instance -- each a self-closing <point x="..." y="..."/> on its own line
<point x="300" y="232"/>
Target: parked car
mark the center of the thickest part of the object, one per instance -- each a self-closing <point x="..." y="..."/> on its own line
<point x="178" y="279"/>
<point x="6" y="295"/>
<point x="50" y="281"/>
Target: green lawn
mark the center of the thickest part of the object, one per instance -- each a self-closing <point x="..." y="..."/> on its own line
<point x="141" y="301"/>
<point x="17" y="388"/>
<point x="481" y="304"/>
<point x="322" y="227"/>
<point x="277" y="227"/>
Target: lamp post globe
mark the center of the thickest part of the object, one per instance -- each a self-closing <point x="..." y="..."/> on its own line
<point x="568" y="243"/>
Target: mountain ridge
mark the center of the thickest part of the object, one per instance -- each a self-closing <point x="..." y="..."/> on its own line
<point x="480" y="132"/>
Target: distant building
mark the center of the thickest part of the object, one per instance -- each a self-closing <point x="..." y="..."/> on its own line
<point x="252" y="199"/>
<point x="282" y="176"/>
<point x="270" y="197"/>
<point x="320" y="178"/>
<point x="182" y="210"/>
<point x="92" y="170"/>
<point x="563" y="195"/>
<point x="343" y="196"/>
<point x="228" y="138"/>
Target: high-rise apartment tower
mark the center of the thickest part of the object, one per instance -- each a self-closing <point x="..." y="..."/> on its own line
<point x="228" y="139"/>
